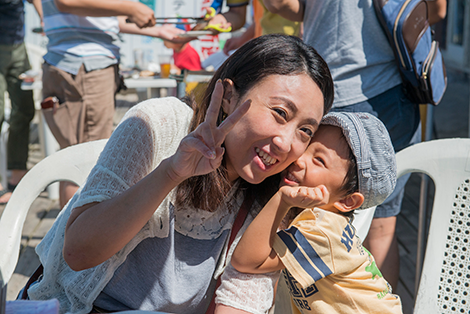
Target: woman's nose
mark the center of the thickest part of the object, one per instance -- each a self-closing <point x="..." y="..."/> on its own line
<point x="284" y="141"/>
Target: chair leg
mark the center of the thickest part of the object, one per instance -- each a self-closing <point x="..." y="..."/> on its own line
<point x="3" y="296"/>
<point x="421" y="245"/>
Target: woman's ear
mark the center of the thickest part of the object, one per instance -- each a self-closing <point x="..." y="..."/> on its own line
<point x="349" y="202"/>
<point x="228" y="100"/>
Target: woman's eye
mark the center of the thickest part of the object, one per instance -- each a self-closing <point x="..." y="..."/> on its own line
<point x="308" y="131"/>
<point x="281" y="112"/>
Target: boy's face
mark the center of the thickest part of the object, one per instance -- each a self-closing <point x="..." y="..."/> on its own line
<point x="324" y="162"/>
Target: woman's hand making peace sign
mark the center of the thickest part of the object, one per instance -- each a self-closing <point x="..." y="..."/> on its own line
<point x="201" y="151"/>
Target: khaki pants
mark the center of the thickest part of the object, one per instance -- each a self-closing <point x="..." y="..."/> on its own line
<point x="86" y="103"/>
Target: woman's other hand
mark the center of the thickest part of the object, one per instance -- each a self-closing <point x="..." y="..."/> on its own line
<point x="201" y="151"/>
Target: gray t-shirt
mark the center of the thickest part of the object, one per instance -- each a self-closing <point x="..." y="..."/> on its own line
<point x="347" y="34"/>
<point x="184" y="262"/>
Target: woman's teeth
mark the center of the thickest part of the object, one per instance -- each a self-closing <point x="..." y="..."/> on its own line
<point x="267" y="160"/>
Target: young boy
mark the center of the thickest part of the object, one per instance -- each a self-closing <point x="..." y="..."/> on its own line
<point x="349" y="164"/>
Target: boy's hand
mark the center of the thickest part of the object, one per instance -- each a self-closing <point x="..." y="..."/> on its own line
<point x="304" y="197"/>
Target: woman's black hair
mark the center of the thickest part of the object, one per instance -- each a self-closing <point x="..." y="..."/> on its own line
<point x="273" y="54"/>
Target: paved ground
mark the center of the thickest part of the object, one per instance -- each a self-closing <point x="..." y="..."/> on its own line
<point x="451" y="119"/>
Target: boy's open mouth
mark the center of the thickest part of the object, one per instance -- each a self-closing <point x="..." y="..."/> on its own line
<point x="290" y="177"/>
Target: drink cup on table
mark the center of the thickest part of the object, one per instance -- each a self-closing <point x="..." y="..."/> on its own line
<point x="165" y="65"/>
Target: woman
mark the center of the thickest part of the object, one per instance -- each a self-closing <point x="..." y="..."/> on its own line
<point x="149" y="228"/>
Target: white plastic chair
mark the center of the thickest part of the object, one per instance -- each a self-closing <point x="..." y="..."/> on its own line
<point x="3" y="154"/>
<point x="445" y="278"/>
<point x="362" y="221"/>
<point x="70" y="164"/>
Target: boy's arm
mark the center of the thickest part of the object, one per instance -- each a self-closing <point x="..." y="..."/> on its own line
<point x="254" y="253"/>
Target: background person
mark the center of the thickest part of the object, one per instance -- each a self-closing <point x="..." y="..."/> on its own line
<point x="264" y="22"/>
<point x="13" y="62"/>
<point x="81" y="69"/>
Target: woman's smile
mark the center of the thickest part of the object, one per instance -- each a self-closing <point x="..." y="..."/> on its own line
<point x="265" y="158"/>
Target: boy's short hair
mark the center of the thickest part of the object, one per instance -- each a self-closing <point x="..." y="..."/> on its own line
<point x="375" y="157"/>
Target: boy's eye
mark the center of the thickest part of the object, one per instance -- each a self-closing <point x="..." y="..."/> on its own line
<point x="320" y="160"/>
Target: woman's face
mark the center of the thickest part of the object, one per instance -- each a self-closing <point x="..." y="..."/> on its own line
<point x="285" y="113"/>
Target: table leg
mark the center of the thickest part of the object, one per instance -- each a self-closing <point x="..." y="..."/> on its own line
<point x="49" y="146"/>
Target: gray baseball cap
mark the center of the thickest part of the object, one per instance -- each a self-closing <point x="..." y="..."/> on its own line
<point x="375" y="157"/>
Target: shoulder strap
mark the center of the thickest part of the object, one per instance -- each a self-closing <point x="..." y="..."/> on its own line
<point x="237" y="224"/>
<point x="241" y="217"/>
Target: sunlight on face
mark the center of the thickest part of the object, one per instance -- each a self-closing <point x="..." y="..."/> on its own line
<point x="285" y="113"/>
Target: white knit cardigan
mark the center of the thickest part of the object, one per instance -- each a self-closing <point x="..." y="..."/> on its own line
<point x="148" y="133"/>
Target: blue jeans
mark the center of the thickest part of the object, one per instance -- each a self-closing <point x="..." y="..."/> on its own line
<point x="401" y="117"/>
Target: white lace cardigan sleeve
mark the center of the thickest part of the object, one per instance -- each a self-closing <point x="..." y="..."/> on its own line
<point x="150" y="132"/>
<point x="147" y="134"/>
<point x="253" y="293"/>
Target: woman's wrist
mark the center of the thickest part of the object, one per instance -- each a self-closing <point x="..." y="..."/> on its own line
<point x="167" y="166"/>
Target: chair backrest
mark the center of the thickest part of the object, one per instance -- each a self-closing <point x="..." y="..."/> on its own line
<point x="70" y="164"/>
<point x="445" y="279"/>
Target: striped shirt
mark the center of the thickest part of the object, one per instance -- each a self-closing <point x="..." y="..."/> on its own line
<point x="75" y="40"/>
<point x="328" y="270"/>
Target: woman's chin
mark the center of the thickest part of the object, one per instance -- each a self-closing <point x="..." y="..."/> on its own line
<point x="253" y="179"/>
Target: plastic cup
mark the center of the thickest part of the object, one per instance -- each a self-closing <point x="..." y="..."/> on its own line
<point x="165" y="65"/>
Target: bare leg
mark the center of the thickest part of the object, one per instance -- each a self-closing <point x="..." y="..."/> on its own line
<point x="66" y="191"/>
<point x="382" y="243"/>
<point x="16" y="176"/>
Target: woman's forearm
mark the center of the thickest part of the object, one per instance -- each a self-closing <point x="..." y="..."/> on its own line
<point x="254" y="253"/>
<point x="95" y="232"/>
